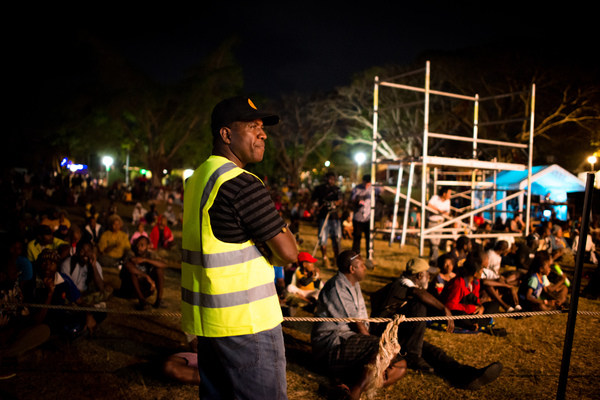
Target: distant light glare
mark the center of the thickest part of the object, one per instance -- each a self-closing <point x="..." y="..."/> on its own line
<point x="107" y="161"/>
<point x="327" y="163"/>
<point x="360" y="158"/>
<point x="76" y="167"/>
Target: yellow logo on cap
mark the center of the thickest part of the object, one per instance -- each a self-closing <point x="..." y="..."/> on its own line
<point x="252" y="104"/>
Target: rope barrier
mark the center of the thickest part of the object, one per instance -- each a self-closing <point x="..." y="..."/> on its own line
<point x="129" y="311"/>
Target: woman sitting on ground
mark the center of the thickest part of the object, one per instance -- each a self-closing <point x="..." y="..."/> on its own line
<point x="536" y="292"/>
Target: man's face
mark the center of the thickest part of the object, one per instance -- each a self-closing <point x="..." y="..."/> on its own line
<point x="331" y="180"/>
<point x="47" y="239"/>
<point x="116" y="225"/>
<point x="48" y="268"/>
<point x="446" y="195"/>
<point x="423" y="280"/>
<point x="309" y="267"/>
<point x="84" y="253"/>
<point x="142" y="247"/>
<point x="248" y="141"/>
<point x="360" y="270"/>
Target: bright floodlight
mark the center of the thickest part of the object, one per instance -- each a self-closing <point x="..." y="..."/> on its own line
<point x="327" y="163"/>
<point x="592" y="160"/>
<point x="360" y="158"/>
<point x="107" y="161"/>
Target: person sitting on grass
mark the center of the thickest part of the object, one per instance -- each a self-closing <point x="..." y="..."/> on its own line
<point x="461" y="294"/>
<point x="51" y="287"/>
<point x="460" y="250"/>
<point x="92" y="231"/>
<point x="140" y="231"/>
<point x="445" y="274"/>
<point x="161" y="235"/>
<point x="114" y="243"/>
<point x="306" y="282"/>
<point x="44" y="240"/>
<point x="536" y="292"/>
<point x="347" y="350"/>
<point x="183" y="367"/>
<point x="498" y="287"/>
<point x="408" y="296"/>
<point x="86" y="273"/>
<point x="142" y="274"/>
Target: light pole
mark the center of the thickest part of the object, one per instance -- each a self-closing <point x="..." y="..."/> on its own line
<point x="360" y="158"/>
<point x="592" y="160"/>
<point x="107" y="161"/>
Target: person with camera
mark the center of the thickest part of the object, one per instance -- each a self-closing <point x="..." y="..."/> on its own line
<point x="329" y="198"/>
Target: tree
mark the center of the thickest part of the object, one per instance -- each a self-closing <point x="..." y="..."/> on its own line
<point x="165" y="125"/>
<point x="306" y="124"/>
<point x="170" y="125"/>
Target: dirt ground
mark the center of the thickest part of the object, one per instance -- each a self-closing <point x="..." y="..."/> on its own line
<point x="123" y="360"/>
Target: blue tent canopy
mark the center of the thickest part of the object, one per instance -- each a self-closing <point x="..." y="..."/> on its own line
<point x="546" y="179"/>
<point x="549" y="181"/>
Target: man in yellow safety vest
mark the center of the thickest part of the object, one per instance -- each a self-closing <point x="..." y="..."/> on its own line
<point x="232" y="237"/>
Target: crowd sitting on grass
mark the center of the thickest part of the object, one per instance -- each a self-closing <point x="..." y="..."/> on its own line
<point x="53" y="260"/>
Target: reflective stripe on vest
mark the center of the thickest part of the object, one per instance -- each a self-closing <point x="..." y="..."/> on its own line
<point x="227" y="288"/>
<point x="228" y="299"/>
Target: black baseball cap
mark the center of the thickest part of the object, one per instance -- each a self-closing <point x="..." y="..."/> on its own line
<point x="239" y="108"/>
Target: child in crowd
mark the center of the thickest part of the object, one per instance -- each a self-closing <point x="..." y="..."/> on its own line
<point x="161" y="235"/>
<point x="347" y="227"/>
<point x="306" y="283"/>
<point x="54" y="288"/>
<point x="85" y="271"/>
<point x="142" y="274"/>
<point x="536" y="292"/>
<point x="461" y="294"/>
<point x="140" y="231"/>
<point x="446" y="274"/>
<point x="92" y="231"/>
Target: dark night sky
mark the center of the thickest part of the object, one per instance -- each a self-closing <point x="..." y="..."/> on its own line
<point x="285" y="47"/>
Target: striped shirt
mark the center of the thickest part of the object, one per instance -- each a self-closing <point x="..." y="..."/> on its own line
<point x="243" y="210"/>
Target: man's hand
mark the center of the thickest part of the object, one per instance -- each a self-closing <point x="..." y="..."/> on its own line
<point x="49" y="283"/>
<point x="137" y="260"/>
<point x="151" y="282"/>
<point x="479" y="310"/>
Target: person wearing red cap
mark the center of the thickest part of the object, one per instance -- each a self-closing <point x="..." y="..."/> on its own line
<point x="306" y="282"/>
<point x="232" y="237"/>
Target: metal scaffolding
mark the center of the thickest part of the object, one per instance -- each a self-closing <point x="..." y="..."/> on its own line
<point x="433" y="166"/>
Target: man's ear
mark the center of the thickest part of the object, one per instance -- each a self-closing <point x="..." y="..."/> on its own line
<point x="225" y="133"/>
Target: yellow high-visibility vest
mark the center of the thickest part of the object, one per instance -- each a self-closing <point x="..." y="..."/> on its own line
<point x="227" y="289"/>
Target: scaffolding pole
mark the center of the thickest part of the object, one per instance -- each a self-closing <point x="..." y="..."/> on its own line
<point x="428" y="162"/>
